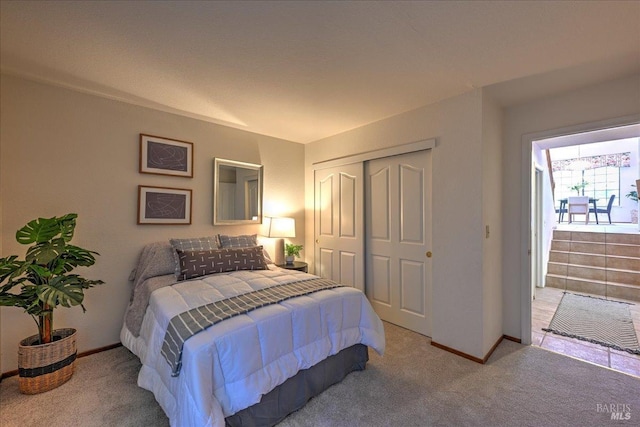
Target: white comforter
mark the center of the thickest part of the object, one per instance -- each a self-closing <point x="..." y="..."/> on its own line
<point x="229" y="366"/>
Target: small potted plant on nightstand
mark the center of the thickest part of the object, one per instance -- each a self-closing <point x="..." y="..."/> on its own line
<point x="292" y="251"/>
<point x="46" y="360"/>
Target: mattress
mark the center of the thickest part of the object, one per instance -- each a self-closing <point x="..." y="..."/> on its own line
<point x="231" y="365"/>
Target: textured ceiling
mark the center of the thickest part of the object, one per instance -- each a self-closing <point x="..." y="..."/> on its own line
<point x="303" y="71"/>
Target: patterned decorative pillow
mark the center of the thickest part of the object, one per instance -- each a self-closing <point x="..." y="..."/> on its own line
<point x="242" y="241"/>
<point x="202" y="263"/>
<point x="196" y="244"/>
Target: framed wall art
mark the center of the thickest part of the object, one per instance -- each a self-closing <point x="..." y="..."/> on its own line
<point x="161" y="205"/>
<point x="163" y="156"/>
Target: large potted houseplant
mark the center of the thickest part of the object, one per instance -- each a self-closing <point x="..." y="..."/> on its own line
<point x="38" y="284"/>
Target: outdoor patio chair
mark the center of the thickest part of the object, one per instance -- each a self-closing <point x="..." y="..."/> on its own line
<point x="580" y="206"/>
<point x="562" y="209"/>
<point x="603" y="210"/>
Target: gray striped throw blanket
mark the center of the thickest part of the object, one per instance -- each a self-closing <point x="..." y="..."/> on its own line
<point x="186" y="324"/>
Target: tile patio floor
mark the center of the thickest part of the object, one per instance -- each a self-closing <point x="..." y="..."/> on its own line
<point x="542" y="311"/>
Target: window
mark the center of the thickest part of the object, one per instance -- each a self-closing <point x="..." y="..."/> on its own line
<point x="597" y="176"/>
<point x="599" y="183"/>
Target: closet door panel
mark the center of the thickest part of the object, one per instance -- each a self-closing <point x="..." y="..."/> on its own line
<point x="348" y="268"/>
<point x="324" y="209"/>
<point x="379" y="199"/>
<point x="380" y="280"/>
<point x="411" y="287"/>
<point x="347" y="208"/>
<point x="398" y="231"/>
<point x="411" y="204"/>
<point x="339" y="224"/>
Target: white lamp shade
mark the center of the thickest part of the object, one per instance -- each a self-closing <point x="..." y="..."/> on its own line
<point x="282" y="227"/>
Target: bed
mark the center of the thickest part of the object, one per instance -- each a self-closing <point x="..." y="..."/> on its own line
<point x="258" y="364"/>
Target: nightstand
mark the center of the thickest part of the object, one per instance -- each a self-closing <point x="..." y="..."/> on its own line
<point x="297" y="265"/>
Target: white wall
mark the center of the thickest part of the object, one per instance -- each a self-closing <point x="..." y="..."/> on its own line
<point x="458" y="196"/>
<point x="492" y="218"/>
<point x="62" y="151"/>
<point x="602" y="102"/>
<point x="628" y="178"/>
<point x="549" y="216"/>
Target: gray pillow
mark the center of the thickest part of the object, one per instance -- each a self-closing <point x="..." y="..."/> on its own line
<point x="202" y="263"/>
<point x="242" y="241"/>
<point x="195" y="244"/>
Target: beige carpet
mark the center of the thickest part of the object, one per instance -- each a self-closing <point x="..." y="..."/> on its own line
<point x="414" y="384"/>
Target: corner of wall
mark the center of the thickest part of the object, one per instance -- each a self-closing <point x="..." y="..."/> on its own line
<point x="1" y="232"/>
<point x="492" y="215"/>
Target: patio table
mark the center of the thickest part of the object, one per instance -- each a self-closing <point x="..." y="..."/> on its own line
<point x="563" y="208"/>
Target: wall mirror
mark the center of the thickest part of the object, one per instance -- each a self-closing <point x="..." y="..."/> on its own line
<point x="237" y="192"/>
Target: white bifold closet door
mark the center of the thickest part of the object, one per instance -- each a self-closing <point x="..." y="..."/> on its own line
<point x="398" y="238"/>
<point x="339" y="224"/>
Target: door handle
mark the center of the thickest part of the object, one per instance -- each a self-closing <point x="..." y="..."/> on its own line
<point x="317" y="240"/>
<point x="428" y="254"/>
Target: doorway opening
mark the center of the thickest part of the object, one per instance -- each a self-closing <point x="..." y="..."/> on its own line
<point x="601" y="165"/>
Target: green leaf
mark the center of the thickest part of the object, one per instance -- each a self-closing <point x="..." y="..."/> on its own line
<point x="38" y="231"/>
<point x="8" y="266"/>
<point x="11" y="300"/>
<point x="77" y="256"/>
<point x="43" y="229"/>
<point x="59" y="266"/>
<point x="26" y="299"/>
<point x="293" y="250"/>
<point x="67" y="226"/>
<point x="86" y="284"/>
<point x="62" y="290"/>
<point x="45" y="252"/>
<point x="42" y="273"/>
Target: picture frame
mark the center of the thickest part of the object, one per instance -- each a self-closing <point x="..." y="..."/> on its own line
<point x="164" y="205"/>
<point x="164" y="156"/>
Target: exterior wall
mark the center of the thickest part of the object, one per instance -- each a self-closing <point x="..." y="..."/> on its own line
<point x="63" y="151"/>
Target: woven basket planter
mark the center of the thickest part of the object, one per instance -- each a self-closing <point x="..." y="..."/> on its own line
<point x="43" y="367"/>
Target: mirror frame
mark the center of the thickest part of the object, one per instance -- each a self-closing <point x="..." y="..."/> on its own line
<point x="217" y="162"/>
